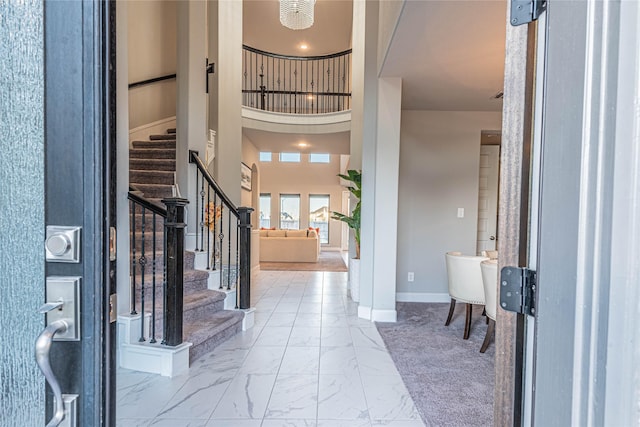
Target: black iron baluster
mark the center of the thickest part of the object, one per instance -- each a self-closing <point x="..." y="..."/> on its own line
<point x="209" y="216"/>
<point x="164" y="280"/>
<point x="143" y="263"/>
<point x="221" y="237"/>
<point x="237" y="278"/>
<point x="201" y="215"/>
<point x="215" y="221"/>
<point x="197" y="176"/>
<point x="229" y="255"/>
<point x="153" y="284"/>
<point x="133" y="258"/>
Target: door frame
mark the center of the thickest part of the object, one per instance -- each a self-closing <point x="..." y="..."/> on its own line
<point x="513" y="212"/>
<point x="80" y="128"/>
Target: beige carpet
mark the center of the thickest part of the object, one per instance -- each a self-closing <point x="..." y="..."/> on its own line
<point x="328" y="261"/>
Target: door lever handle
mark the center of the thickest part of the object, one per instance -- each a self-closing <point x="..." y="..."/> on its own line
<point x="43" y="345"/>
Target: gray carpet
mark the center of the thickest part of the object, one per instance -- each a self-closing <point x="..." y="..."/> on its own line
<point x="450" y="381"/>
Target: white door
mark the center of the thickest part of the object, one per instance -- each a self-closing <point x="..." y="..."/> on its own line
<point x="488" y="197"/>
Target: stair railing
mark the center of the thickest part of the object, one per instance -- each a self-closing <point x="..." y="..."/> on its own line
<point x="296" y="84"/>
<point x="157" y="250"/>
<point x="226" y="231"/>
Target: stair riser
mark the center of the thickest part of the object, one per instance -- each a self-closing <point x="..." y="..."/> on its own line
<point x="162" y="137"/>
<point x="152" y="154"/>
<point x="152" y="165"/>
<point x="156" y="191"/>
<point x="154" y="144"/>
<point x="148" y="223"/>
<point x="151" y="177"/>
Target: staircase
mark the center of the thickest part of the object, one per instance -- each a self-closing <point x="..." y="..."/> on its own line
<point x="152" y="167"/>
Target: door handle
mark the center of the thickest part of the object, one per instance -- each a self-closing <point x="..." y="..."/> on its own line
<point x="43" y="346"/>
<point x="492" y="237"/>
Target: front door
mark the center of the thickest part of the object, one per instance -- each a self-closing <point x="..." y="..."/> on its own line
<point x="584" y="352"/>
<point x="56" y="203"/>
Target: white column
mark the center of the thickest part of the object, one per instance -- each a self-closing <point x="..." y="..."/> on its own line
<point x="364" y="135"/>
<point x="229" y="95"/>
<point x="386" y="200"/>
<point x="191" y="109"/>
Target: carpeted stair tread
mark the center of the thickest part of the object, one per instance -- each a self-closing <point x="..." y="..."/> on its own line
<point x="208" y="334"/>
<point x="162" y="143"/>
<point x="151" y="177"/>
<point x="163" y="137"/>
<point x="202" y="298"/>
<point x="152" y="164"/>
<point x="152" y="153"/>
<point x="156" y="190"/>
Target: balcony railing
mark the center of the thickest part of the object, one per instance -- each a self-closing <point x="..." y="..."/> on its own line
<point x="296" y="84"/>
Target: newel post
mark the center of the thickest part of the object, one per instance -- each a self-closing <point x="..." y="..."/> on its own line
<point x="245" y="257"/>
<point x="174" y="253"/>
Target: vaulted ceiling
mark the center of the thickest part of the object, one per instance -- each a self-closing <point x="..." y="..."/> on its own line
<point x="449" y="53"/>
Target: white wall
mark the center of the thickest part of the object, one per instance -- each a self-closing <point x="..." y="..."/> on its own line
<point x="250" y="157"/>
<point x="439" y="166"/>
<point x="304" y="178"/>
<point x="151" y="41"/>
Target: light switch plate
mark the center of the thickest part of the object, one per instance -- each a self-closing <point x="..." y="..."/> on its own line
<point x="460" y="212"/>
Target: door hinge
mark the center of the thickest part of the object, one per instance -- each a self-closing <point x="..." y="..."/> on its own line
<point x="525" y="11"/>
<point x="210" y="68"/>
<point x="518" y="289"/>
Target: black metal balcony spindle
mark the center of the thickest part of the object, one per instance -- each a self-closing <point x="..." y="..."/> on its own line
<point x="143" y="263"/>
<point x="153" y="283"/>
<point x="133" y="258"/>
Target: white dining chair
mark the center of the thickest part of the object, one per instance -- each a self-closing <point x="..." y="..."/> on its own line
<point x="489" y="271"/>
<point x="465" y="284"/>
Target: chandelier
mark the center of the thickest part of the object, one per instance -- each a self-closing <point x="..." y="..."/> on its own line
<point x="297" y="14"/>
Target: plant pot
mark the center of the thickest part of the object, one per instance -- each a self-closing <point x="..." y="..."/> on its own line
<point x="354" y="279"/>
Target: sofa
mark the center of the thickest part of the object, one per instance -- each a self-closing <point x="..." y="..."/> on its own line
<point x="289" y="246"/>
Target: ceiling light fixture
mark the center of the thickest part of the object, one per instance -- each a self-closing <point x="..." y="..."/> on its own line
<point x="297" y="14"/>
<point x="303" y="46"/>
<point x="303" y="144"/>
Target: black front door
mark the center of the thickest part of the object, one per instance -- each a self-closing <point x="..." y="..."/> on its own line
<point x="79" y="204"/>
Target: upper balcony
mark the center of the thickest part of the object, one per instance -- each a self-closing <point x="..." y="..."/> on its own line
<point x="296" y="91"/>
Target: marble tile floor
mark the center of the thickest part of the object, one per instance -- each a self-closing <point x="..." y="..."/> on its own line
<point x="309" y="361"/>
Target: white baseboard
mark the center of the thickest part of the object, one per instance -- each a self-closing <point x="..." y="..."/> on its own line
<point x="422" y="297"/>
<point x="384" y="315"/>
<point x="155" y="358"/>
<point x="364" y="312"/>
<point x="330" y="249"/>
<point x="249" y="319"/>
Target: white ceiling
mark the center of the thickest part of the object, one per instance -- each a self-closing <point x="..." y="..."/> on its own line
<point x="330" y="32"/>
<point x="332" y="143"/>
<point x="449" y="54"/>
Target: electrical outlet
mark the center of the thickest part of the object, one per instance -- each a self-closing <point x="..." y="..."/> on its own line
<point x="410" y="276"/>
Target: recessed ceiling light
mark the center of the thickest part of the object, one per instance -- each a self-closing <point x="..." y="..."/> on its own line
<point x="303" y="46"/>
<point x="302" y="144"/>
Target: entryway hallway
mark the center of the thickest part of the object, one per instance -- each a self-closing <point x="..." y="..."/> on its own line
<point x="308" y="361"/>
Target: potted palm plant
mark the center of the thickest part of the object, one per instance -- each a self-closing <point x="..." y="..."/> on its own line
<point x="353" y="221"/>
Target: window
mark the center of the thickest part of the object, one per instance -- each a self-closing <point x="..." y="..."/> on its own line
<point x="319" y="158"/>
<point x="290" y="157"/>
<point x="319" y="215"/>
<point x="290" y="211"/>
<point x="265" y="210"/>
<point x="265" y="156"/>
